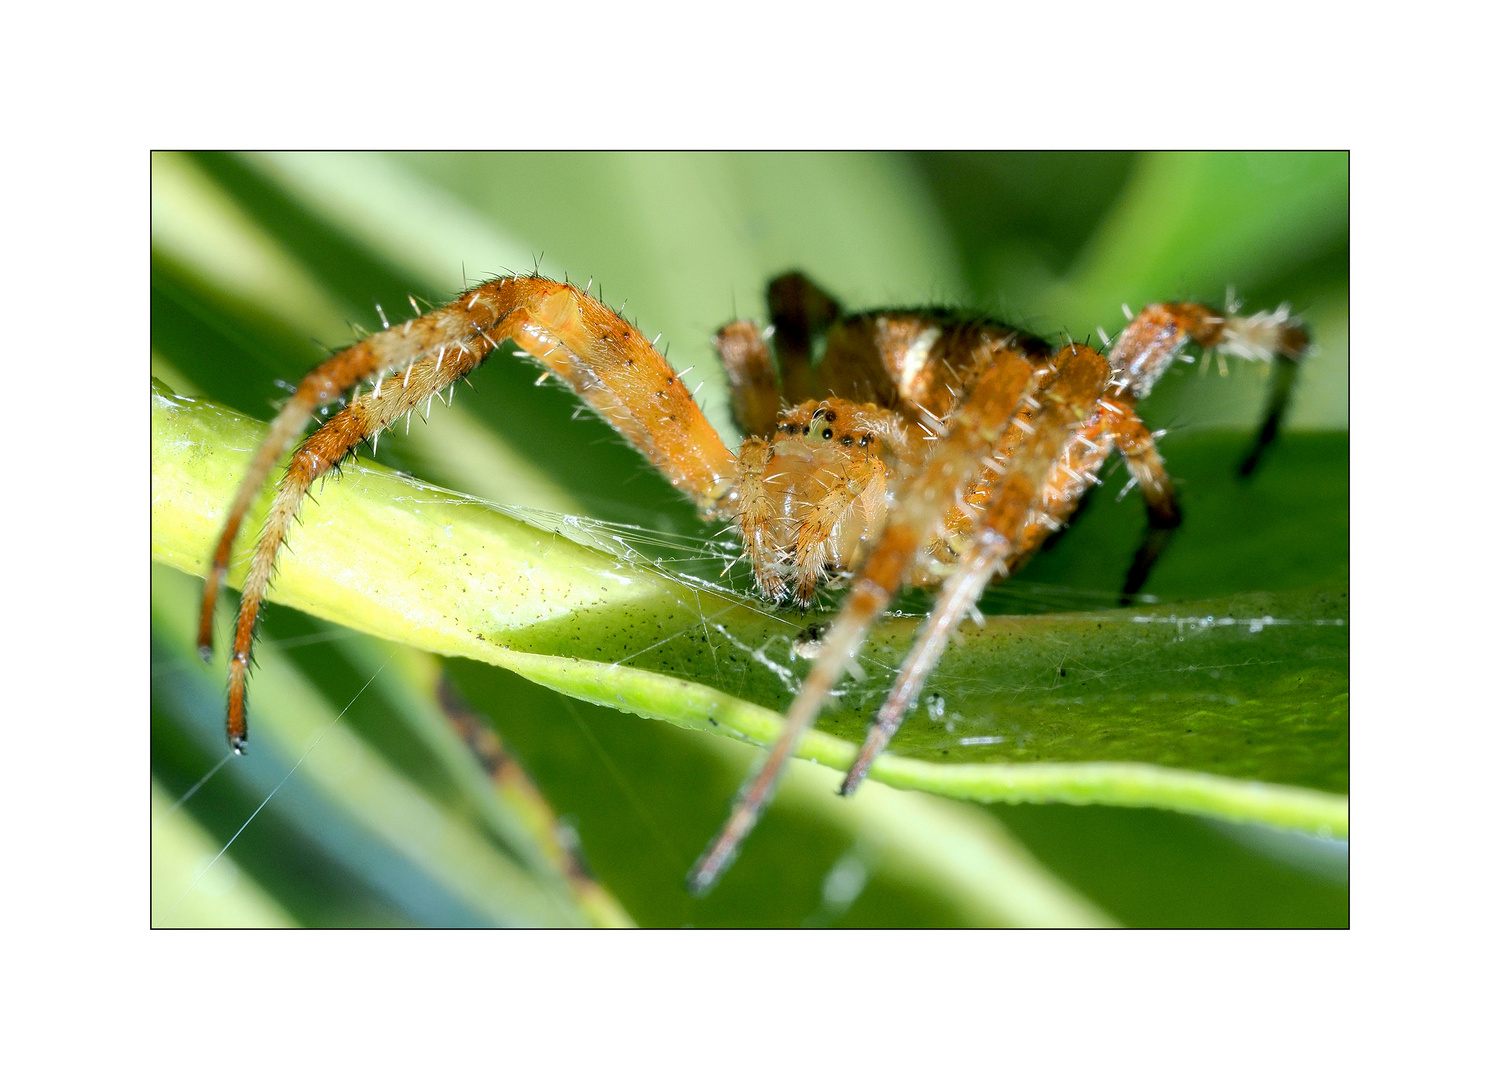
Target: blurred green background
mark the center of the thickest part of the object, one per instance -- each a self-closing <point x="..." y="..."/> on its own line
<point x="262" y="263"/>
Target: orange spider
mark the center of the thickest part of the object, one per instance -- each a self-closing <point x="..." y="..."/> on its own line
<point x="920" y="449"/>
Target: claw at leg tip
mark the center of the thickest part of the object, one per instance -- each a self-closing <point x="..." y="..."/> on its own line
<point x="711" y="865"/>
<point x="700" y="881"/>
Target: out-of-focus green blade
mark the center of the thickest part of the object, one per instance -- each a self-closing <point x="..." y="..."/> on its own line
<point x="1194" y="223"/>
<point x="295" y="724"/>
<point x="193" y="883"/>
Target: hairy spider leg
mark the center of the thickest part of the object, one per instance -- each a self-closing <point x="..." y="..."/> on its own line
<point x="320" y="452"/>
<point x="1073" y="476"/>
<point x="1142" y="353"/>
<point x="1284" y="377"/>
<point x="754" y="518"/>
<point x="800" y="313"/>
<point x="615" y="370"/>
<point x="326" y="382"/>
<point x="1163" y="515"/>
<point x="1067" y="404"/>
<point x="754" y="390"/>
<point x="942" y="479"/>
<point x="585" y="344"/>
<point x="1146" y="347"/>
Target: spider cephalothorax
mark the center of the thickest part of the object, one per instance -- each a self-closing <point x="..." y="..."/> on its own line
<point x="883" y="449"/>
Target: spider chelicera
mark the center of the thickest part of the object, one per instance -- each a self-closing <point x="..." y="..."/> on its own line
<point x="882" y="449"/>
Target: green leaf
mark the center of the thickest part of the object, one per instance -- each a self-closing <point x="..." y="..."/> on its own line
<point x="1177" y="686"/>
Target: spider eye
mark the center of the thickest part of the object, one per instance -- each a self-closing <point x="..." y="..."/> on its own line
<point x="818" y="429"/>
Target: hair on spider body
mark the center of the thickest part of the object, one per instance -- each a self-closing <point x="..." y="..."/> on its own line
<point x="883" y="449"/>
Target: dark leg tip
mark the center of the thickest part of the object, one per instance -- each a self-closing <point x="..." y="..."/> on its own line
<point x="237" y="743"/>
<point x="206" y="653"/>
